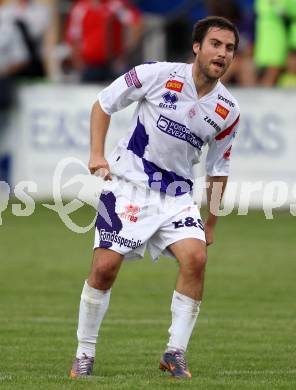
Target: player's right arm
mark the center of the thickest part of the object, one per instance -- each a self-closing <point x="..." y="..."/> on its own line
<point x="132" y="86"/>
<point x="99" y="124"/>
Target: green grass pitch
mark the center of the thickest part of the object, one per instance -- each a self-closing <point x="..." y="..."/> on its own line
<point x="245" y="335"/>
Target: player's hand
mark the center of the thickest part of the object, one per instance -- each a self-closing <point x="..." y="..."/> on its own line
<point x="99" y="166"/>
<point x="209" y="232"/>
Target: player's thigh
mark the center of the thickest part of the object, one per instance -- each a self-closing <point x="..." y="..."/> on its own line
<point x="191" y="253"/>
<point x="183" y="236"/>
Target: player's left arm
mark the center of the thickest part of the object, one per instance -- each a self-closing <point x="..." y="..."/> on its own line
<point x="217" y="167"/>
<point x="215" y="191"/>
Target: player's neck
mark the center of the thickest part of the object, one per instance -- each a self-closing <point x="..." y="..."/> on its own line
<point x="203" y="84"/>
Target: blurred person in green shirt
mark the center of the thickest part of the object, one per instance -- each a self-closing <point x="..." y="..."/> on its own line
<point x="275" y="34"/>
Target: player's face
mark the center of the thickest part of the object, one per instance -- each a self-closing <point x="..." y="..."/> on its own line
<point x="215" y="54"/>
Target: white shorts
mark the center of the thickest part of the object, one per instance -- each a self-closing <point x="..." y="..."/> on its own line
<point x="131" y="219"/>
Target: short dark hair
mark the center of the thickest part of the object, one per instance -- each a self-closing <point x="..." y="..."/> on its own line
<point x="201" y="28"/>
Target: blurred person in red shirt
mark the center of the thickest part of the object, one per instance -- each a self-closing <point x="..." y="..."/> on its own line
<point x="101" y="35"/>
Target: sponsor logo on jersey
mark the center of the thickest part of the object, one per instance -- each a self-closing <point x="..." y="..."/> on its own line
<point x="131" y="78"/>
<point x="227" y="101"/>
<point x="212" y="123"/>
<point x="179" y="131"/>
<point x="221" y="111"/>
<point x="169" y="100"/>
<point x="130" y="213"/>
<point x="174" y="85"/>
<point x="227" y="154"/>
<point x="118" y="239"/>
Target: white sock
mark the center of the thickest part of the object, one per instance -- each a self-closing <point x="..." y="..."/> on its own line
<point x="93" y="306"/>
<point x="184" y="315"/>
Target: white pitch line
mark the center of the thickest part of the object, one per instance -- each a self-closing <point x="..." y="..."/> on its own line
<point x="258" y="372"/>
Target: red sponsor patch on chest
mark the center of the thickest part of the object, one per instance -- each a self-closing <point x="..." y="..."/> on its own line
<point x="174" y="85"/>
<point x="221" y="111"/>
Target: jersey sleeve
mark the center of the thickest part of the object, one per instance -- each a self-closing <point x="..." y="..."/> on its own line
<point x="218" y="157"/>
<point x="132" y="86"/>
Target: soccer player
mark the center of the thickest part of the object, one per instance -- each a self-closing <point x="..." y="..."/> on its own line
<point x="147" y="199"/>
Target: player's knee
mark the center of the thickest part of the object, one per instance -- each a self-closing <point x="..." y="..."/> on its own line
<point x="195" y="262"/>
<point x="104" y="269"/>
<point x="198" y="262"/>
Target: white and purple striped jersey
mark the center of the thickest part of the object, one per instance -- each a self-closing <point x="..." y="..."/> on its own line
<point x="170" y="127"/>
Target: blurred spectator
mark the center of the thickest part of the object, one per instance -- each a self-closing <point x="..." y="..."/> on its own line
<point x="37" y="25"/>
<point x="173" y="20"/>
<point x="291" y="23"/>
<point x="288" y="78"/>
<point x="128" y="32"/>
<point x="275" y="32"/>
<point x="14" y="57"/>
<point x="102" y="34"/>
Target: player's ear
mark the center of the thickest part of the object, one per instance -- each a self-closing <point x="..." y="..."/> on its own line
<point x="196" y="47"/>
